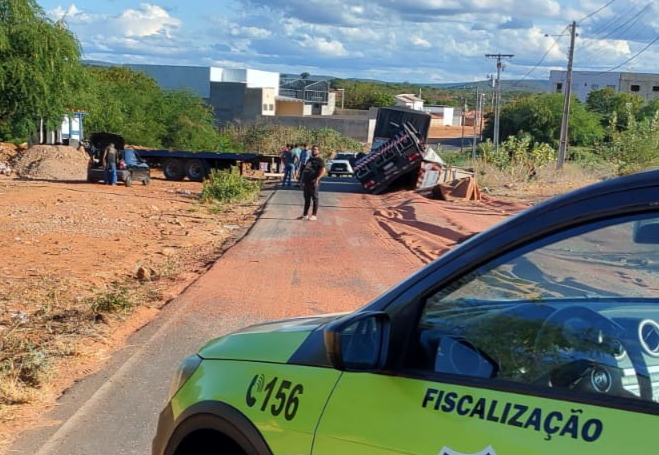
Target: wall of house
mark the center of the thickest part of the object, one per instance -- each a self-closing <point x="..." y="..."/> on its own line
<point x="645" y="85"/>
<point x="252" y="78"/>
<point x="583" y="82"/>
<point x="228" y="99"/>
<point x="360" y="129"/>
<point x="289" y="108"/>
<point x="194" y="78"/>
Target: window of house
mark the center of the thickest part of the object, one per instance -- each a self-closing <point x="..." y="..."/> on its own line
<point x="271" y="107"/>
<point x="265" y="107"/>
<point x="559" y="87"/>
<point x="655" y="88"/>
<point x="635" y="88"/>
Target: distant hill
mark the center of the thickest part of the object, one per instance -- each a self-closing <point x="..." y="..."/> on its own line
<point x="531" y="85"/>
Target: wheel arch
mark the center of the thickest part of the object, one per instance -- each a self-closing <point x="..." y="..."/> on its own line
<point x="217" y="423"/>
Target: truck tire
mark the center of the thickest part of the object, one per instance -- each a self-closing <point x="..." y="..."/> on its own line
<point x="172" y="168"/>
<point x="128" y="181"/>
<point x="196" y="169"/>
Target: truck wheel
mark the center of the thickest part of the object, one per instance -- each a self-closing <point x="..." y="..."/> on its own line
<point x="173" y="169"/>
<point x="146" y="181"/>
<point x="128" y="181"/>
<point x="195" y="169"/>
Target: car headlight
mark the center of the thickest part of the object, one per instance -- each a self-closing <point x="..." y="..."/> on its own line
<point x="186" y="369"/>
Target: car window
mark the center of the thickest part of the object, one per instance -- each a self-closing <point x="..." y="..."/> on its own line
<point x="578" y="311"/>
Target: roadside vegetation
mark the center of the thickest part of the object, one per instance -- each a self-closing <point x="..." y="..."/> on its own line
<point x="228" y="186"/>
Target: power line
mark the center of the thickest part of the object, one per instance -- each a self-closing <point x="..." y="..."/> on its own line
<point x="516" y="83"/>
<point x="632" y="57"/>
<point x="596" y="11"/>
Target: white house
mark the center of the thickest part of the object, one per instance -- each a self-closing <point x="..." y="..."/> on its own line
<point x="410" y="101"/>
<point x="442" y="115"/>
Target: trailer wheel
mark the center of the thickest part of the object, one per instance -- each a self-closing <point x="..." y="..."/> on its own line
<point x="128" y="181"/>
<point x="146" y="181"/>
<point x="173" y="169"/>
<point x="195" y="169"/>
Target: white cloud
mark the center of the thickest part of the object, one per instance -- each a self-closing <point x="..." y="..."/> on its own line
<point x="149" y="20"/>
<point x="420" y="42"/>
<point x="415" y="40"/>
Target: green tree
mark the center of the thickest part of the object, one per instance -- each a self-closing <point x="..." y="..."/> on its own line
<point x="188" y="122"/>
<point x="649" y="110"/>
<point x="39" y="69"/>
<point x="130" y="103"/>
<point x="540" y="116"/>
<point x="614" y="108"/>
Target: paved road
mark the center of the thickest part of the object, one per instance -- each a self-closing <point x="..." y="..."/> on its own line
<point x="283" y="267"/>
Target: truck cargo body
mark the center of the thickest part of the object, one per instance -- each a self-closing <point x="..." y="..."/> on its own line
<point x="397" y="152"/>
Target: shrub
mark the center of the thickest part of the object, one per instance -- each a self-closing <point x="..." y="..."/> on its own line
<point x="228" y="186"/>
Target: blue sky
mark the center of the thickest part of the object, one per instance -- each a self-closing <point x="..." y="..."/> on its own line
<point x="418" y="41"/>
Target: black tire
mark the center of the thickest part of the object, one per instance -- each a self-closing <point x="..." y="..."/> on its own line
<point x="128" y="181"/>
<point x="172" y="168"/>
<point x="196" y="170"/>
<point x="146" y="181"/>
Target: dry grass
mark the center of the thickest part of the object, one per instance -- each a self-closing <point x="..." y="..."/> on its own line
<point x="519" y="183"/>
<point x="50" y="316"/>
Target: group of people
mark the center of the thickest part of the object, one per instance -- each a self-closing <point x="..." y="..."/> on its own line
<point x="308" y="168"/>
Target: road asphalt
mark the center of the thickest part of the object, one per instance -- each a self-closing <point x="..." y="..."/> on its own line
<point x="115" y="410"/>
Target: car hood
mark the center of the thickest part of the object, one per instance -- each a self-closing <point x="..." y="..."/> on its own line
<point x="268" y="342"/>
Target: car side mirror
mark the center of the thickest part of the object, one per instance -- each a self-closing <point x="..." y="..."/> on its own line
<point x="358" y="342"/>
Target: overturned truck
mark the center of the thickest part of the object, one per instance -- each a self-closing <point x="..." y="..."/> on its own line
<point x="399" y="155"/>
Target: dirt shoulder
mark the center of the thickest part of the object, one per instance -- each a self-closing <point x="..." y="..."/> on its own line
<point x="85" y="265"/>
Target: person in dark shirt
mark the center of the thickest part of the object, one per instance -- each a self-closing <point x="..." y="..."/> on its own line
<point x="313" y="171"/>
<point x="110" y="164"/>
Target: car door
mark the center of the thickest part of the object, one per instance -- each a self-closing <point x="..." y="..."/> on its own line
<point x="550" y="348"/>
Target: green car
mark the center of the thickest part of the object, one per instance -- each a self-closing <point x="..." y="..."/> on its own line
<point x="537" y="336"/>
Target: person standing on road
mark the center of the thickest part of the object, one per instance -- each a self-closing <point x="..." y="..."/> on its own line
<point x="313" y="171"/>
<point x="305" y="153"/>
<point x="289" y="160"/>
<point x="110" y="164"/>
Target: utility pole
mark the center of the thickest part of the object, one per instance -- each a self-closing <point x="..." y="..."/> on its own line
<point x="464" y="118"/>
<point x="478" y="115"/>
<point x="497" y="95"/>
<point x="566" y="104"/>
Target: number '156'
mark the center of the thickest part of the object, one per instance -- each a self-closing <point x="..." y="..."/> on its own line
<point x="278" y="396"/>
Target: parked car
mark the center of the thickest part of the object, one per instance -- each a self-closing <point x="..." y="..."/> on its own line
<point x="131" y="166"/>
<point x="537" y="336"/>
<point x="341" y="164"/>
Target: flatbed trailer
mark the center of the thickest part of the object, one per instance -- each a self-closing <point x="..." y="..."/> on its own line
<point x="196" y="166"/>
